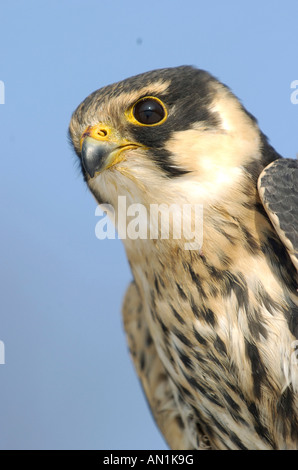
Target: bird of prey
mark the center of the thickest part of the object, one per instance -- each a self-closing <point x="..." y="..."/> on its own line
<point x="212" y="331"/>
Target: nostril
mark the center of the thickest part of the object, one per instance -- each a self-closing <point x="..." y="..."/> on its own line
<point x="102" y="132"/>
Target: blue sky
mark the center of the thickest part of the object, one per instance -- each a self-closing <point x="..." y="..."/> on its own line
<point x="68" y="382"/>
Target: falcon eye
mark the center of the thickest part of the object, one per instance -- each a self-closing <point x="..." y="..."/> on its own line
<point x="149" y="111"/>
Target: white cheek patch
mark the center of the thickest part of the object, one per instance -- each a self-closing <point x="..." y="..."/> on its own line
<point x="236" y="122"/>
<point x="215" y="157"/>
<point x="228" y="177"/>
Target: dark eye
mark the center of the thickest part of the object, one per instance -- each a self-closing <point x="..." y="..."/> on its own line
<point x="149" y="111"/>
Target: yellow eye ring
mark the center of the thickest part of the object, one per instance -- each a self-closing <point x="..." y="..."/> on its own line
<point x="148" y="111"/>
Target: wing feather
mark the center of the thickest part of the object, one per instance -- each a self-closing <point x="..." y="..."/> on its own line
<point x="278" y="189"/>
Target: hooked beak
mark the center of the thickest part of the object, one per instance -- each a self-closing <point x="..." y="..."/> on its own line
<point x="101" y="148"/>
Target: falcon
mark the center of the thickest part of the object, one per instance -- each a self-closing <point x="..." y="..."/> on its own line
<point x="212" y="331"/>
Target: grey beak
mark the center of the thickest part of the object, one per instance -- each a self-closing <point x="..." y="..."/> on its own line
<point x="95" y="154"/>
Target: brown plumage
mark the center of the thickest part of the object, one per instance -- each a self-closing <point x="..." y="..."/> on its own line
<point x="211" y="330"/>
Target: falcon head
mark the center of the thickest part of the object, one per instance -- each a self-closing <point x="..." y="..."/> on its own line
<point x="169" y="132"/>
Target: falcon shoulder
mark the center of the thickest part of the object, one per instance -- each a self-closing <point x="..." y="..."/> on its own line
<point x="278" y="190"/>
<point x="153" y="376"/>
